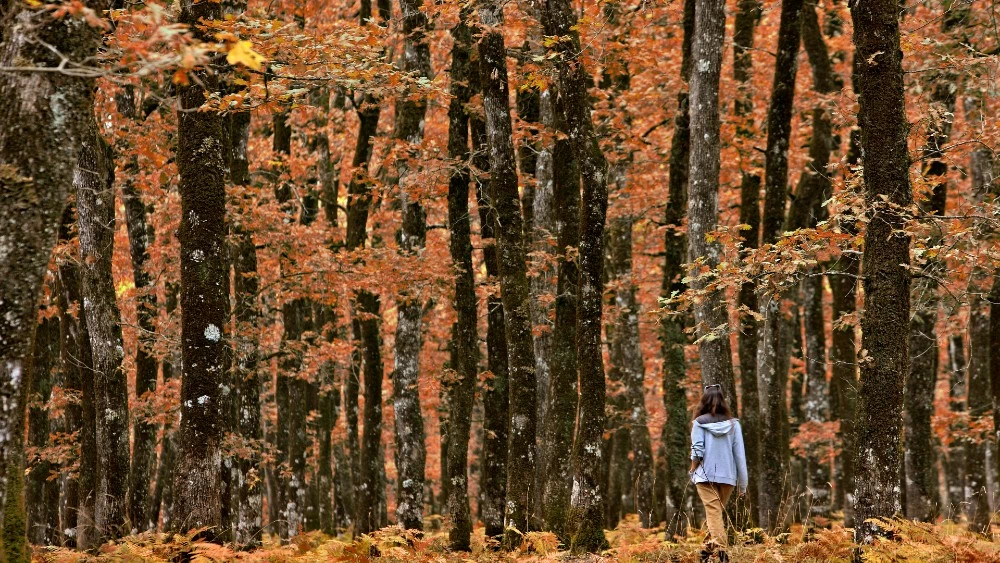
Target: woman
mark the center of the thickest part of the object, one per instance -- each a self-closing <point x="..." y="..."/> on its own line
<point x="718" y="464"/>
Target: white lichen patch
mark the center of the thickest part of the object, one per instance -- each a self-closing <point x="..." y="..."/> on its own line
<point x="213" y="333"/>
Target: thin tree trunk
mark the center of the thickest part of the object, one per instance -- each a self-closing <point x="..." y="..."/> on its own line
<point x="96" y="210"/>
<point x="711" y="316"/>
<point x="514" y="288"/>
<point x="410" y="449"/>
<point x="162" y="502"/>
<point x="955" y="466"/>
<point x="922" y="502"/>
<point x="43" y="370"/>
<point x="461" y="393"/>
<point x="633" y="373"/>
<point x="885" y="263"/>
<point x="140" y="234"/>
<point x="43" y="119"/>
<point x="673" y="338"/>
<point x="204" y="297"/>
<point x="976" y="496"/>
<point x="77" y="367"/>
<point x="773" y="349"/>
<point x="747" y="18"/>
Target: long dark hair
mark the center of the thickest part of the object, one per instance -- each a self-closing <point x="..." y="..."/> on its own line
<point x="713" y="402"/>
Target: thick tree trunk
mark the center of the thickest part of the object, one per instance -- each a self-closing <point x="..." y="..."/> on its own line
<point x="885" y="356"/>
<point x="410" y="449"/>
<point x="674" y="436"/>
<point x="560" y="419"/>
<point x="773" y="349"/>
<point x="711" y="316"/>
<point x="42" y="121"/>
<point x="461" y="393"/>
<point x="96" y="210"/>
<point x="514" y="288"/>
<point x="496" y="399"/>
<point x="140" y="234"/>
<point x="43" y="371"/>
<point x="625" y="346"/>
<point x="201" y="164"/>
<point x="585" y="528"/>
<point x="747" y="18"/>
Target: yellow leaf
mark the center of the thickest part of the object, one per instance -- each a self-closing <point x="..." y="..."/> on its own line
<point x="242" y="53"/>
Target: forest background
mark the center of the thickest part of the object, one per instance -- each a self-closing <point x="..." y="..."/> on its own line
<point x="395" y="305"/>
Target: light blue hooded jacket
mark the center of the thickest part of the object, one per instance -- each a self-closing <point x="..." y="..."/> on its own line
<point x="719" y="444"/>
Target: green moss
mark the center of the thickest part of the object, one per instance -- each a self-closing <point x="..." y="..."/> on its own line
<point x="15" y="538"/>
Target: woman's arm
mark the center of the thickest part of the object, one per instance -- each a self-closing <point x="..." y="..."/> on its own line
<point x="697" y="446"/>
<point x="742" y="477"/>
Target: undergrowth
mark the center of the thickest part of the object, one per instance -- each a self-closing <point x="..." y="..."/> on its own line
<point x="909" y="541"/>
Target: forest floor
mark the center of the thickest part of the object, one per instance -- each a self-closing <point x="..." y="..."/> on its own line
<point x="945" y="542"/>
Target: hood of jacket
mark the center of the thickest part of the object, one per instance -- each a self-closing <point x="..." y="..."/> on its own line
<point x="719" y="428"/>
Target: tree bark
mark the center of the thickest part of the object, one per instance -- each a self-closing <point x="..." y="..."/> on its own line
<point x="773" y="348"/>
<point x="45" y="364"/>
<point x="514" y="288"/>
<point x="885" y="262"/>
<point x="560" y="419"/>
<point x="410" y="449"/>
<point x="496" y="399"/>
<point x="77" y="368"/>
<point x="585" y="526"/>
<point x="711" y="316"/>
<point x="673" y="338"/>
<point x="461" y="393"/>
<point x="625" y="347"/>
<point x="922" y="502"/>
<point x="977" y="499"/>
<point x="163" y="492"/>
<point x="140" y="235"/>
<point x="94" y="182"/>
<point x="747" y="18"/>
<point x="42" y="122"/>
<point x="204" y="297"/>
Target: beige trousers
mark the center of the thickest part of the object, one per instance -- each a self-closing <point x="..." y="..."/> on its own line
<point x="714" y="497"/>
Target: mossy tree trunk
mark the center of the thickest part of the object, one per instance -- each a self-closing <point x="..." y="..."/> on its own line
<point x="885" y="262"/>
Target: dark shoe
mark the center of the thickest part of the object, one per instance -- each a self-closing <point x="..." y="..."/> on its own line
<point x="723" y="556"/>
<point x="704" y="556"/>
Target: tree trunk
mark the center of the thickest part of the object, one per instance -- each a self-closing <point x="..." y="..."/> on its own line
<point x="140" y="234"/>
<point x="204" y="300"/>
<point x="674" y="436"/>
<point x="45" y="113"/>
<point x="410" y="449"/>
<point x="625" y="347"/>
<point x="514" y="288"/>
<point x="977" y="500"/>
<point x="773" y="349"/>
<point x="43" y="370"/>
<point x="461" y="393"/>
<point x="77" y="367"/>
<point x="96" y="209"/>
<point x="955" y="466"/>
<point x="496" y="399"/>
<point x="562" y="395"/>
<point x="711" y="315"/>
<point x="885" y="262"/>
<point x="585" y="528"/>
<point x="163" y="495"/>
<point x="747" y="18"/>
<point x="922" y="502"/>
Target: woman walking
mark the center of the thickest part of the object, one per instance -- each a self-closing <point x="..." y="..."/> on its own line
<point x="718" y="464"/>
